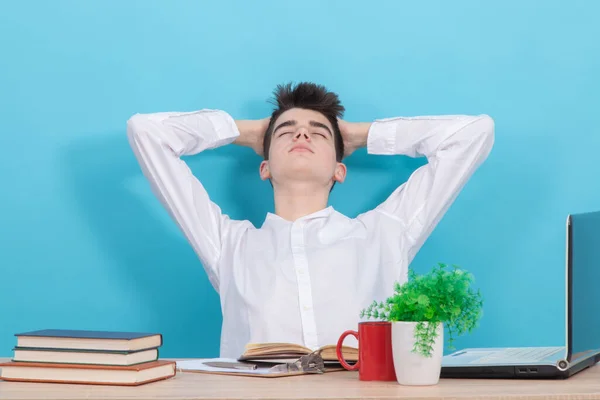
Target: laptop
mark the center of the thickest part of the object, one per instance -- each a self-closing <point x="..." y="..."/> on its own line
<point x="582" y="348"/>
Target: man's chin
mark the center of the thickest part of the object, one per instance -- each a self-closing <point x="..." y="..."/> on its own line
<point x="304" y="173"/>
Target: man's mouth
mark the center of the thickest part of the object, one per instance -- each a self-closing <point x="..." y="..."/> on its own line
<point x="301" y="148"/>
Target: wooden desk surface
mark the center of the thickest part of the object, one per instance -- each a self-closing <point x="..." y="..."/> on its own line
<point x="334" y="385"/>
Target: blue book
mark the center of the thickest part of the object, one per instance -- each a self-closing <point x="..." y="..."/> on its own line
<point x="88" y="340"/>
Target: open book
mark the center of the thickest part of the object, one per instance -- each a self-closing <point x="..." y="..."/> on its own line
<point x="281" y="351"/>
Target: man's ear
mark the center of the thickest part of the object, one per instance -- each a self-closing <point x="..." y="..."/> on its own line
<point x="340" y="173"/>
<point x="264" y="170"/>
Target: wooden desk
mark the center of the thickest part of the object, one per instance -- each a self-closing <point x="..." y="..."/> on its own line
<point x="334" y="385"/>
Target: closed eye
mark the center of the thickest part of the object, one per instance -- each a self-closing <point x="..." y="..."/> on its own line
<point x="284" y="133"/>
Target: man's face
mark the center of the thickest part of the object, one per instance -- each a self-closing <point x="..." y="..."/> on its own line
<point x="302" y="150"/>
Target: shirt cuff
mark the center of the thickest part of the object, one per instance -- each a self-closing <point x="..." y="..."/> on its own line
<point x="382" y="135"/>
<point x="223" y="128"/>
<point x="202" y="130"/>
<point x="225" y="125"/>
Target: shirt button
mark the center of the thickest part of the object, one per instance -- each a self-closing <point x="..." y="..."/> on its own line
<point x="306" y="308"/>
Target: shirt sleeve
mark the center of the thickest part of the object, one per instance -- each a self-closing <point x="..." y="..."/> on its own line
<point x="454" y="145"/>
<point x="158" y="141"/>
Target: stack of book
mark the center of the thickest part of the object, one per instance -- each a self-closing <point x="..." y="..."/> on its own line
<point x="88" y="357"/>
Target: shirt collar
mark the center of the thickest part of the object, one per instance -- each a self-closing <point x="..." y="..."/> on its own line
<point x="276" y="219"/>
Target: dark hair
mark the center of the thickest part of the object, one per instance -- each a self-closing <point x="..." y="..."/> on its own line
<point x="309" y="96"/>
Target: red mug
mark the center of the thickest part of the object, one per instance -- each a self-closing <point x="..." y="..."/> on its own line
<point x="375" y="359"/>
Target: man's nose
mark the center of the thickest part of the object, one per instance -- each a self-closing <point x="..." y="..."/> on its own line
<point x="302" y="134"/>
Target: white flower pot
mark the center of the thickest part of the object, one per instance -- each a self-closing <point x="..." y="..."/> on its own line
<point x="413" y="368"/>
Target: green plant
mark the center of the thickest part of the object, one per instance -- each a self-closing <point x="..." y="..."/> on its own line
<point x="441" y="296"/>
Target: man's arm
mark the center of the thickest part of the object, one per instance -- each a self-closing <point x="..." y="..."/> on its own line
<point x="158" y="141"/>
<point x="454" y="145"/>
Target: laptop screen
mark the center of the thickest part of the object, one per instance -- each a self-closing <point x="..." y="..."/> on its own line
<point x="585" y="279"/>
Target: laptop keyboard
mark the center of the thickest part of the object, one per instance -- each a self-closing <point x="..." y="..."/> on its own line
<point x="518" y="355"/>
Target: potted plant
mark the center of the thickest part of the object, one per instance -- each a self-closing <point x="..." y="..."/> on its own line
<point x="419" y="310"/>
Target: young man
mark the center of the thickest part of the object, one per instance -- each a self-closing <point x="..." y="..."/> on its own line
<point x="305" y="274"/>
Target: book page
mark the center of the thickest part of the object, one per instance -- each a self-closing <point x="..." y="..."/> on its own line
<point x="329" y="353"/>
<point x="260" y="348"/>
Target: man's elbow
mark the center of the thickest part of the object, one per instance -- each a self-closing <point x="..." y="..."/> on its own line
<point x="483" y="134"/>
<point x="486" y="128"/>
<point x="135" y="125"/>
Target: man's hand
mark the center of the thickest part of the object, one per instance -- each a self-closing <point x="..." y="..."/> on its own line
<point x="354" y="135"/>
<point x="252" y="133"/>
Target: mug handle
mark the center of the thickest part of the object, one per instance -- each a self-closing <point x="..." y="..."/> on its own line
<point x="338" y="350"/>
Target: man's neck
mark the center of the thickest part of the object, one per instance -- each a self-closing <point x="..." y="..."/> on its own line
<point x="300" y="199"/>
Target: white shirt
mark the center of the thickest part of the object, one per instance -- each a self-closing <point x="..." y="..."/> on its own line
<point x="306" y="281"/>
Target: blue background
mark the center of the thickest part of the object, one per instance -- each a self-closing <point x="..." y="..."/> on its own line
<point x="84" y="244"/>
